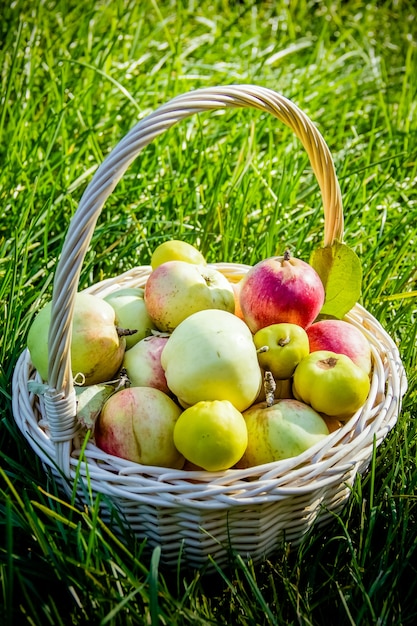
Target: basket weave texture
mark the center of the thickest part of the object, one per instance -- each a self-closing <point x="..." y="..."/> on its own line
<point x="194" y="513"/>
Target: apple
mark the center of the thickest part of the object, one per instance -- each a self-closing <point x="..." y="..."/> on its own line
<point x="96" y="348"/>
<point x="129" y="306"/>
<point x="236" y="291"/>
<point x="191" y="467"/>
<point x="211" y="435"/>
<point x="176" y="250"/>
<point x="280" y="348"/>
<point x="137" y="424"/>
<point x="211" y="356"/>
<point x="281" y="289"/>
<point x="331" y="383"/>
<point x="343" y="338"/>
<point x="280" y="431"/>
<point x="176" y="289"/>
<point x="143" y="363"/>
<point x="332" y="423"/>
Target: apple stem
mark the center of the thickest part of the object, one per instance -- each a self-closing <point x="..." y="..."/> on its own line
<point x="328" y="364"/>
<point x="287" y="255"/>
<point x="125" y="332"/>
<point x="124" y="381"/>
<point x="269" y="386"/>
<point x="79" y="379"/>
<point x="121" y="382"/>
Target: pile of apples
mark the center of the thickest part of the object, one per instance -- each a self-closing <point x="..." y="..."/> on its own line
<point x="196" y="372"/>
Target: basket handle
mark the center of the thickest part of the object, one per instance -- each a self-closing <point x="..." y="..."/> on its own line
<point x="61" y="393"/>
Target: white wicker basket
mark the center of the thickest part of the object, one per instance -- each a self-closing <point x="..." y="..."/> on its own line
<point x="198" y="513"/>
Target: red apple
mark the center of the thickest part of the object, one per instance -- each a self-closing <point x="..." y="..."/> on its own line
<point x="343" y="338"/>
<point x="281" y="289"/>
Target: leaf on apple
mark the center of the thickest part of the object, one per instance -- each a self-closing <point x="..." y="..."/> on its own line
<point x="37" y="388"/>
<point x="90" y="401"/>
<point x="341" y="273"/>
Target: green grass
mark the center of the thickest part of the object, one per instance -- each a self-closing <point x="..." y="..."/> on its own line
<point x="75" y="76"/>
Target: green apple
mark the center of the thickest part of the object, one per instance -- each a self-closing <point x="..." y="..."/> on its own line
<point x="280" y="431"/>
<point x="177" y="289"/>
<point x="176" y="250"/>
<point x="331" y="383"/>
<point x="211" y="356"/>
<point x="129" y="306"/>
<point x="281" y="347"/>
<point x="137" y="424"/>
<point x="96" y="348"/>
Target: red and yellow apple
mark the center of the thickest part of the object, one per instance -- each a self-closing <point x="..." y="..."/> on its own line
<point x="96" y="348"/>
<point x="281" y="289"/>
<point x="177" y="289"/>
<point x="236" y="290"/>
<point x="343" y="338"/>
<point x="137" y="424"/>
<point x="143" y="363"/>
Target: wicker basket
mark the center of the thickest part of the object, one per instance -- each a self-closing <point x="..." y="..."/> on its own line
<point x="196" y="514"/>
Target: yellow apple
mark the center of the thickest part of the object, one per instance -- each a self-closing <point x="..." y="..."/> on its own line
<point x="176" y="250"/>
<point x="331" y="383"/>
<point x="211" y="435"/>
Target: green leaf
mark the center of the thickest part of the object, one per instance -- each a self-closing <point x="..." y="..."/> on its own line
<point x="341" y="273"/>
<point x="90" y="401"/>
<point x="37" y="388"/>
